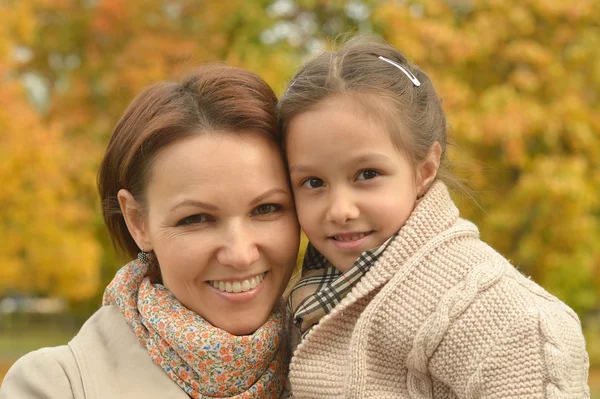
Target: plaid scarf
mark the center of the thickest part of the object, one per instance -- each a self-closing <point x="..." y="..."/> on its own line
<point x="322" y="286"/>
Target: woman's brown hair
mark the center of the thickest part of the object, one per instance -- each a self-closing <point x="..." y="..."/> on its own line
<point x="211" y="98"/>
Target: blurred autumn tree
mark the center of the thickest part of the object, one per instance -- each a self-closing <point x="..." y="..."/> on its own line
<point x="520" y="81"/>
<point x="47" y="243"/>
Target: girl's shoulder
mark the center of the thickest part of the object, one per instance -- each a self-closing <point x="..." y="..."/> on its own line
<point x="478" y="314"/>
<point x="462" y="276"/>
<point x="517" y="291"/>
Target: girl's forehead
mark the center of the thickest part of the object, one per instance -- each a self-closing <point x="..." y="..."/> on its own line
<point x="338" y="117"/>
<point x="338" y="135"/>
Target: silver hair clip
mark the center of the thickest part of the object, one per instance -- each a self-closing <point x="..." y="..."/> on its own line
<point x="290" y="86"/>
<point x="408" y="74"/>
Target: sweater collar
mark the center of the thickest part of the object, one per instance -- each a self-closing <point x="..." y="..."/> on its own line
<point x="434" y="220"/>
<point x="434" y="213"/>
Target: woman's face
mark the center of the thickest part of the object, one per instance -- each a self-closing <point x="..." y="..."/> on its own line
<point x="221" y="221"/>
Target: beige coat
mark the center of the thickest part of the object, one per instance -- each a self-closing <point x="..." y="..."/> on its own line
<point x="104" y="360"/>
<point x="442" y="315"/>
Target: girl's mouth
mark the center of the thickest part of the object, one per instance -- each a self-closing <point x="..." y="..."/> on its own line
<point x="350" y="236"/>
<point x="350" y="240"/>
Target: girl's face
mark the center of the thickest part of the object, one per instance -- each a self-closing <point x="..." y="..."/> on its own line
<point x="221" y="221"/>
<point x="353" y="188"/>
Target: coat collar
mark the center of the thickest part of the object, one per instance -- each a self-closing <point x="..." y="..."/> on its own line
<point x="113" y="364"/>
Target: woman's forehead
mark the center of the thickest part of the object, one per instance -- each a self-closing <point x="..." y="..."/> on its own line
<point x="216" y="165"/>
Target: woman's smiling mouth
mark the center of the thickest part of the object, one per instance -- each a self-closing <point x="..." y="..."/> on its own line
<point x="238" y="285"/>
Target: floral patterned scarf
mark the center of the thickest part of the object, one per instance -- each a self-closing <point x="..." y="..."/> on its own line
<point x="205" y="361"/>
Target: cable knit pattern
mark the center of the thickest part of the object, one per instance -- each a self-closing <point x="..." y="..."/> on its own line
<point x="443" y="315"/>
<point x="432" y="331"/>
<point x="555" y="355"/>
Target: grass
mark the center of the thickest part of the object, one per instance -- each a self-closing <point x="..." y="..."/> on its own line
<point x="594" y="382"/>
<point x="14" y="346"/>
<point x="17" y="340"/>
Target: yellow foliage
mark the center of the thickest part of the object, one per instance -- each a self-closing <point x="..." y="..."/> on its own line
<point x="49" y="248"/>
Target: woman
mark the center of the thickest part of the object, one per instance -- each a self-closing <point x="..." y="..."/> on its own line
<point x="194" y="182"/>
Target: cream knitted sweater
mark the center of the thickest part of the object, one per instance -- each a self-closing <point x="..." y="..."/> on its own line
<point x="443" y="315"/>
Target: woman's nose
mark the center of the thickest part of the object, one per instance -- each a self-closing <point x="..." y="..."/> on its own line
<point x="342" y="208"/>
<point x="239" y="249"/>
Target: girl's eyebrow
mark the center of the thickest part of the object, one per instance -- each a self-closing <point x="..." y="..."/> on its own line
<point x="299" y="169"/>
<point x="369" y="157"/>
<point x="360" y="158"/>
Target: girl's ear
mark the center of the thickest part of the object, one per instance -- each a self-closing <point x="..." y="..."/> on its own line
<point x="428" y="169"/>
<point x="135" y="220"/>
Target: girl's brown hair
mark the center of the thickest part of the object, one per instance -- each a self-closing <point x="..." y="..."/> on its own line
<point x="412" y="114"/>
<point x="211" y="98"/>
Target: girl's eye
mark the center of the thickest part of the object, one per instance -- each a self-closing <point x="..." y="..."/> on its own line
<point x="194" y="219"/>
<point x="313" y="182"/>
<point x="368" y="174"/>
<point x="266" y="209"/>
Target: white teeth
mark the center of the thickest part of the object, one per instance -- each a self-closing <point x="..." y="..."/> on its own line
<point x="253" y="282"/>
<point x="245" y="285"/>
<point x="351" y="238"/>
<point x="237" y="286"/>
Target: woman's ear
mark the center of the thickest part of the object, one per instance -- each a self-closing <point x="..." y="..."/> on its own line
<point x="135" y="220"/>
<point x="428" y="169"/>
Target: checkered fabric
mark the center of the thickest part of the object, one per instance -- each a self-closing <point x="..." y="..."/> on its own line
<point x="322" y="286"/>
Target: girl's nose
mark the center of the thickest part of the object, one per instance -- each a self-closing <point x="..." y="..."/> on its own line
<point x="342" y="208"/>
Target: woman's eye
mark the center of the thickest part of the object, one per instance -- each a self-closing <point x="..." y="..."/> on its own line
<point x="313" y="182"/>
<point x="266" y="209"/>
<point x="194" y="219"/>
<point x="368" y="174"/>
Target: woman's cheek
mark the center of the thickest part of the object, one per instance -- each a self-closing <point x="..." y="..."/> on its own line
<point x="183" y="258"/>
<point x="283" y="237"/>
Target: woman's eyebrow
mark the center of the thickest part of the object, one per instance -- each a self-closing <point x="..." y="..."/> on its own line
<point x="268" y="193"/>
<point x="195" y="203"/>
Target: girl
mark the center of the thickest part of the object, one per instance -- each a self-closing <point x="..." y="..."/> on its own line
<point x="399" y="298"/>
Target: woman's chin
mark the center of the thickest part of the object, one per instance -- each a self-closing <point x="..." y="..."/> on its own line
<point x="241" y="313"/>
<point x="237" y="325"/>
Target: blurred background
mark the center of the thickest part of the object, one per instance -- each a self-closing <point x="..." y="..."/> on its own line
<point x="520" y="82"/>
